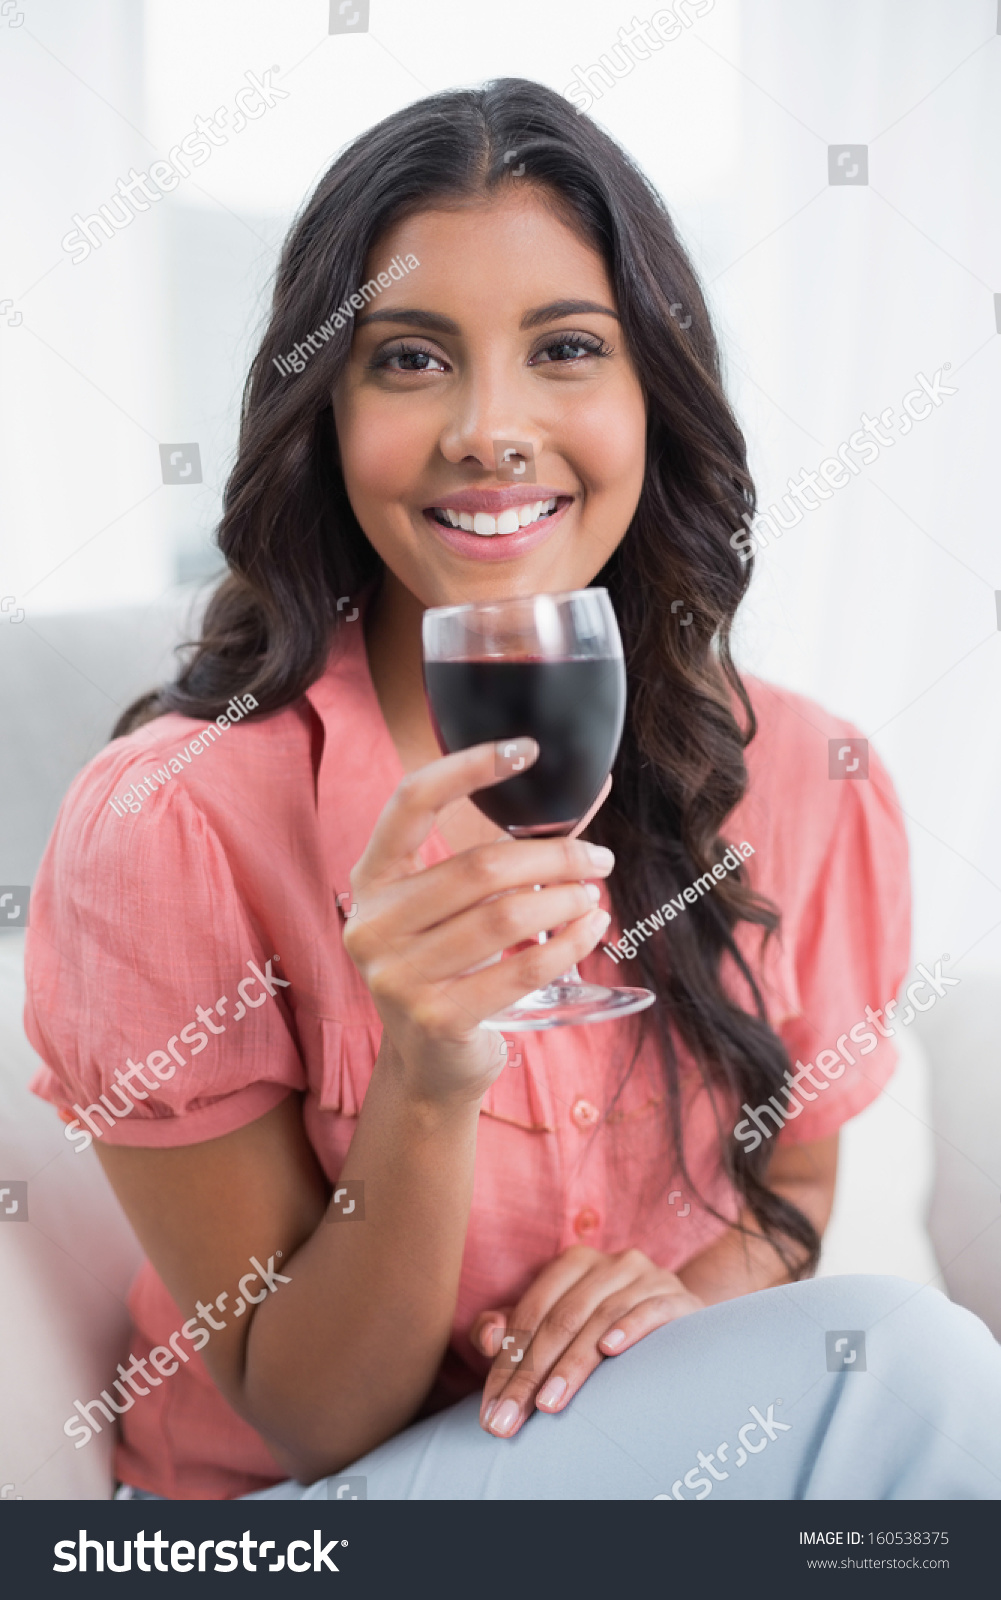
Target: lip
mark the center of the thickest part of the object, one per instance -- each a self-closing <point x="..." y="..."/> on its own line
<point x="496" y="500"/>
<point x="502" y="546"/>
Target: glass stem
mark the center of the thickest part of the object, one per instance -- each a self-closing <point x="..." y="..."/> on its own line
<point x="569" y="978"/>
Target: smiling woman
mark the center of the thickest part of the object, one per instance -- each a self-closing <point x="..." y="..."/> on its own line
<point x="525" y="415"/>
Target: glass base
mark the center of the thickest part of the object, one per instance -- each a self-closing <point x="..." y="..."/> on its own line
<point x="567" y="1004"/>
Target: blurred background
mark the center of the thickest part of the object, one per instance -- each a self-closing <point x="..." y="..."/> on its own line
<point x="833" y="167"/>
<point x="828" y="298"/>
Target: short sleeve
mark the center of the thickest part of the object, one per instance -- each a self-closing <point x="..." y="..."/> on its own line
<point x="849" y="953"/>
<point x="155" y="1002"/>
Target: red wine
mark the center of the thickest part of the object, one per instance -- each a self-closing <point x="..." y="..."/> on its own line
<point x="574" y="709"/>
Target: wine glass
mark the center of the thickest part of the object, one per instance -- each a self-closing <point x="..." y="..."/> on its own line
<point x="549" y="666"/>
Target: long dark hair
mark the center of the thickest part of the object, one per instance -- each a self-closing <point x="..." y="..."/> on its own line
<point x="294" y="547"/>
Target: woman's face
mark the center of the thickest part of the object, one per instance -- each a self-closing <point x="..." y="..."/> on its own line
<point x="504" y="338"/>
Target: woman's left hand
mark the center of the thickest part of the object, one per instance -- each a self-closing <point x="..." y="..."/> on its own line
<point x="582" y="1307"/>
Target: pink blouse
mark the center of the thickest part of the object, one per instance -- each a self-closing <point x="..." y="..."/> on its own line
<point x="184" y="960"/>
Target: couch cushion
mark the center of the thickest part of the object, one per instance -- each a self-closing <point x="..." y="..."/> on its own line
<point x="962" y="1036"/>
<point x="885" y="1176"/>
<point x="66" y="1273"/>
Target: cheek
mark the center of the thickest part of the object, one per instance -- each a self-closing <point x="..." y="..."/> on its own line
<point x="384" y="449"/>
<point x="606" y="442"/>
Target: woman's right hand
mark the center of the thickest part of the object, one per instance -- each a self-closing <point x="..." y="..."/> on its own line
<point x="416" y="933"/>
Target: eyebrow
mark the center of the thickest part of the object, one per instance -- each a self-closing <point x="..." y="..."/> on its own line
<point x="434" y="323"/>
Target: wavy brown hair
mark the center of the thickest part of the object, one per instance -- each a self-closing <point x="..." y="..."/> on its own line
<point x="293" y="547"/>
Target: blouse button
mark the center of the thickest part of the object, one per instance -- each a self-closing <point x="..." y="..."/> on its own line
<point x="586" y="1221"/>
<point x="584" y="1114"/>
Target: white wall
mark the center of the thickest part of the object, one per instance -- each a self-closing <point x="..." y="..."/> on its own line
<point x="829" y="300"/>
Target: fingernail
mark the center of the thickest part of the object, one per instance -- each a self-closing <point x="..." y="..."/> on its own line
<point x="514" y="755"/>
<point x="505" y="1417"/>
<point x="593" y="892"/>
<point x="599" y="922"/>
<point x="552" y="1391"/>
<point x="488" y="1413"/>
<point x="612" y="1340"/>
<point x="602" y="859"/>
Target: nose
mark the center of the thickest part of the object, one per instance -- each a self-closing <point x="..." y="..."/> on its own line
<point x="489" y="425"/>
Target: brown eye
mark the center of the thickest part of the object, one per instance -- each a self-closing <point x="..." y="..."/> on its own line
<point x="569" y="349"/>
<point x="408" y="358"/>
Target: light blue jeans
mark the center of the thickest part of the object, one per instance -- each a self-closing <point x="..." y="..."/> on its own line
<point x="852" y="1388"/>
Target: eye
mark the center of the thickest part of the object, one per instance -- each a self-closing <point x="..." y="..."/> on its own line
<point x="568" y="349"/>
<point x="406" y="356"/>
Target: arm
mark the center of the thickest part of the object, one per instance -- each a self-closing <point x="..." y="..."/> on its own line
<point x="339" y="1357"/>
<point x="739" y="1263"/>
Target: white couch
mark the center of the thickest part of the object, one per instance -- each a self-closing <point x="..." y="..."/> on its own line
<point x="922" y="1164"/>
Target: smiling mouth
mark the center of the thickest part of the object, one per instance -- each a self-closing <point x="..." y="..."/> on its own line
<point x="487" y="526"/>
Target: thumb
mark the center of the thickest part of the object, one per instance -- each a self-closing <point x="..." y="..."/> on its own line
<point x="488" y="1330"/>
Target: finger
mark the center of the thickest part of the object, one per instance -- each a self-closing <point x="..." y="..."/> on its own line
<point x="467" y="941"/>
<point x="554" y="1283"/>
<point x="606" y="790"/>
<point x="410" y="813"/>
<point x="481" y="994"/>
<point x="574" y="1364"/>
<point x="458" y="1005"/>
<point x="640" y="1320"/>
<point x="488" y="1330"/>
<point x="586" y="1352"/>
<point x="564" y="1348"/>
<point x="412" y="905"/>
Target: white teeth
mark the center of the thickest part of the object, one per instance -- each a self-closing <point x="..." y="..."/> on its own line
<point x="507" y="522"/>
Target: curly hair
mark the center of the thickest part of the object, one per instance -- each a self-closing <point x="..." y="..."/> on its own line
<point x="293" y="546"/>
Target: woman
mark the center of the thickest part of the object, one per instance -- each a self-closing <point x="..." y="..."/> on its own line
<point x="355" y="1207"/>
